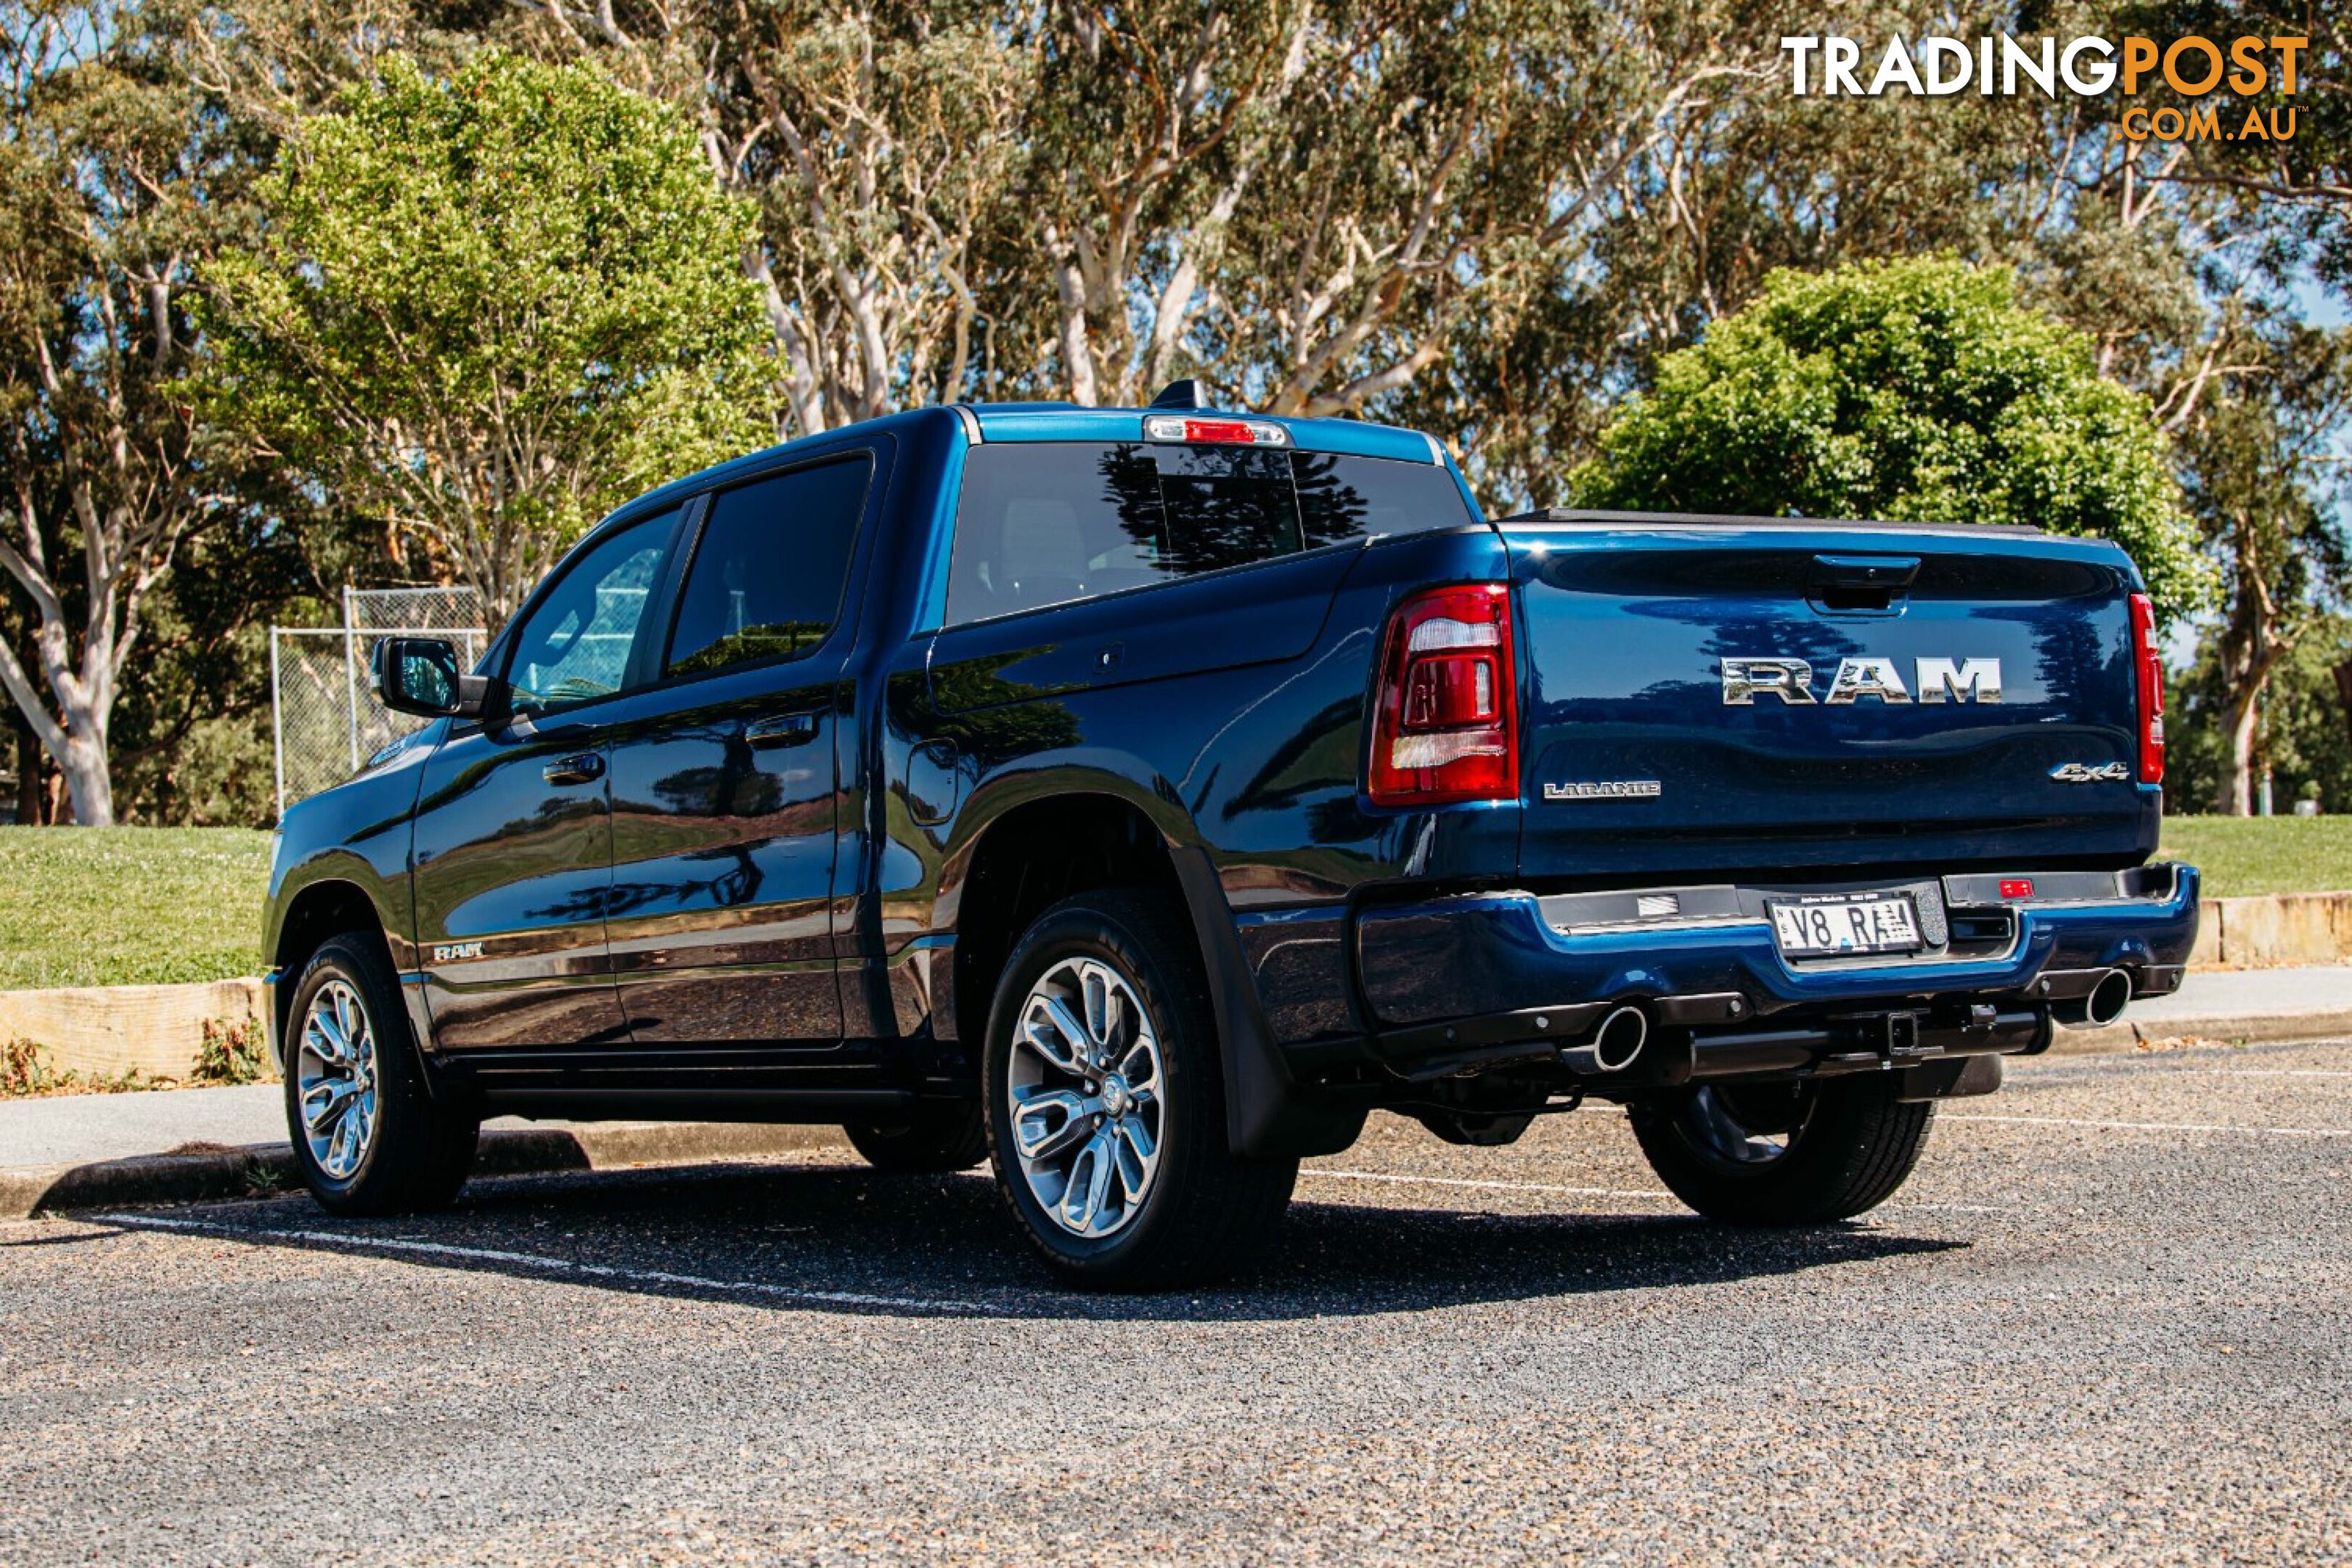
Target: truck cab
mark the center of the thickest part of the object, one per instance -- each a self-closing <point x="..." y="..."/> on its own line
<point x="1136" y="799"/>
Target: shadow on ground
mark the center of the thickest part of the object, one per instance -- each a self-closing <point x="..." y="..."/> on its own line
<point x="794" y="1236"/>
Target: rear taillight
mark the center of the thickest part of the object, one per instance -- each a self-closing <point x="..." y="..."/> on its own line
<point x="1445" y="718"/>
<point x="2149" y="667"/>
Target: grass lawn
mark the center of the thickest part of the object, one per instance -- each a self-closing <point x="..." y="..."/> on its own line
<point x="2243" y="855"/>
<point x="129" y="906"/>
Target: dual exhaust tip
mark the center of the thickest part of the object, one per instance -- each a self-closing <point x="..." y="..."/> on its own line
<point x="1617" y="1043"/>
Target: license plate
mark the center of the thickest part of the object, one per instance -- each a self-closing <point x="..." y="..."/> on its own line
<point x="1846" y="923"/>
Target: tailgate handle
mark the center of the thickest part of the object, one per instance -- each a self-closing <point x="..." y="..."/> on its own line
<point x="1860" y="582"/>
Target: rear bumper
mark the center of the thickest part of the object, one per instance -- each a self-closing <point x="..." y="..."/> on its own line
<point x="1468" y="977"/>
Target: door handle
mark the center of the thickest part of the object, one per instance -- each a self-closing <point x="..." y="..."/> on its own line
<point x="580" y="769"/>
<point x="785" y="730"/>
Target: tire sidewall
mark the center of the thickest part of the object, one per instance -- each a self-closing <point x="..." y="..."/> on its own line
<point x="1822" y="1162"/>
<point x="1092" y="927"/>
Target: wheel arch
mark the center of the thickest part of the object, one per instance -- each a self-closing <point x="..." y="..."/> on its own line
<point x="321" y="910"/>
<point x="1049" y="846"/>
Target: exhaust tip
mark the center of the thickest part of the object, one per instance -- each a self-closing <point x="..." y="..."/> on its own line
<point x="2099" y="1006"/>
<point x="2109" y="998"/>
<point x="1620" y="1039"/>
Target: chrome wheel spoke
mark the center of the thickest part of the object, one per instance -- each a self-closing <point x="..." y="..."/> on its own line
<point x="1102" y="992"/>
<point x="1047" y="1123"/>
<point x="1137" y="1154"/>
<point x="326" y="1105"/>
<point x="1048" y="1029"/>
<point x="1083" y="1199"/>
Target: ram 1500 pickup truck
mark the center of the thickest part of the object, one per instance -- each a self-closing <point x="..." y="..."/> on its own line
<point x="1138" y="798"/>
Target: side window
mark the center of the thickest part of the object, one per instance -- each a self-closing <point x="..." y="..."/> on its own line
<point x="1040" y="523"/>
<point x="767" y="578"/>
<point x="574" y="647"/>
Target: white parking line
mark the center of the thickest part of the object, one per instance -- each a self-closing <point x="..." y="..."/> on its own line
<point x="2276" y="1072"/>
<point x="2159" y="1126"/>
<point x="544" y="1264"/>
<point x="1594" y="1191"/>
<point x="1498" y="1187"/>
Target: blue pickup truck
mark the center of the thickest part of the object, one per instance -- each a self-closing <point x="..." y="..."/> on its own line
<point x="1136" y="799"/>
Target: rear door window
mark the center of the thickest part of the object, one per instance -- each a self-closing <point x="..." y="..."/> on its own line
<point x="1043" y="522"/>
<point x="767" y="577"/>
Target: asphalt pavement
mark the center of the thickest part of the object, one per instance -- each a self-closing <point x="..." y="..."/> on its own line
<point x="2107" y="1320"/>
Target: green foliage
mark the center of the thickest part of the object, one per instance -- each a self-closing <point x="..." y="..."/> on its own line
<point x="488" y="307"/>
<point x="126" y="906"/>
<point x="1919" y="390"/>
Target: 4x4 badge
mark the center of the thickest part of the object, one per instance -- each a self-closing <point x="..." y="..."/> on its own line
<point x="2084" y="772"/>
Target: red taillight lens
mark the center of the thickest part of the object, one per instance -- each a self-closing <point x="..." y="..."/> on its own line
<point x="1445" y="718"/>
<point x="2149" y="669"/>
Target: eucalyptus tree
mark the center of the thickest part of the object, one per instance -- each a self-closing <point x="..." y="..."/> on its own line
<point x="105" y="197"/>
<point x="2267" y="488"/>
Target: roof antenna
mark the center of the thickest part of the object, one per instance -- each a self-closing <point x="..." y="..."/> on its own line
<point x="1187" y="392"/>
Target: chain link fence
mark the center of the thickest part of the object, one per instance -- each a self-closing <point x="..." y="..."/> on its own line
<point x="324" y="713"/>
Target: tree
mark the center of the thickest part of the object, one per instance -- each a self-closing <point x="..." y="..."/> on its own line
<point x="1915" y="390"/>
<point x="106" y="197"/>
<point x="2264" y="483"/>
<point x="486" y="307"/>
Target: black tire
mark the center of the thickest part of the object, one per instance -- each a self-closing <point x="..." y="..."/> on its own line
<point x="936" y="1138"/>
<point x="1846" y="1145"/>
<point x="418" y="1150"/>
<point x="1204" y="1212"/>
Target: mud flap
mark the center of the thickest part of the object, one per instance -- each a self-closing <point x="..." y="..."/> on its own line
<point x="1267" y="1115"/>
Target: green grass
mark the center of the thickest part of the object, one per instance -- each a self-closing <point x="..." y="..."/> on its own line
<point x="2243" y="855"/>
<point x="129" y="905"/>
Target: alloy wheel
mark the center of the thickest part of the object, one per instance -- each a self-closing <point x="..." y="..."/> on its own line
<point x="1088" y="1110"/>
<point x="335" y="1081"/>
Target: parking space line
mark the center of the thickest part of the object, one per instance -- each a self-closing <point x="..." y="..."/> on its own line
<point x="2275" y="1072"/>
<point x="1597" y="1192"/>
<point x="1498" y="1186"/>
<point x="2158" y="1126"/>
<point x="545" y="1264"/>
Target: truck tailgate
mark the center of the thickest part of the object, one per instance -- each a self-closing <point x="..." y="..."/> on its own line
<point x="1730" y="697"/>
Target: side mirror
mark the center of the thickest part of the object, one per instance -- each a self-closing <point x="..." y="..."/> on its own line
<point x="420" y="675"/>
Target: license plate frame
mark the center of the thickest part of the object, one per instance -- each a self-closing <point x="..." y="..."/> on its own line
<point x="1874" y="924"/>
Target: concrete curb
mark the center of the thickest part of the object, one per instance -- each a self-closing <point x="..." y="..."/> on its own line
<point x="199" y="1175"/>
<point x="2132" y="1035"/>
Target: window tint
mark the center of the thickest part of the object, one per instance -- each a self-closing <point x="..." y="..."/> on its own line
<point x="766" y="580"/>
<point x="574" y="645"/>
<point x="1040" y="522"/>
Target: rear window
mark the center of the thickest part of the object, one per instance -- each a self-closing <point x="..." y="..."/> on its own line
<point x="1042" y="523"/>
<point x="768" y="573"/>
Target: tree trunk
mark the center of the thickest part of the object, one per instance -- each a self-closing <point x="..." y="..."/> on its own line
<point x="2236" y="794"/>
<point x="90" y="782"/>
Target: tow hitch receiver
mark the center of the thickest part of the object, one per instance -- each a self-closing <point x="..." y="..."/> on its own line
<point x="1902" y="1036"/>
